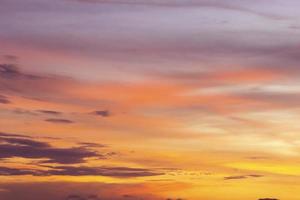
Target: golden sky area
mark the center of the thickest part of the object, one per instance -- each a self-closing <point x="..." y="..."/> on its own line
<point x="149" y="100"/>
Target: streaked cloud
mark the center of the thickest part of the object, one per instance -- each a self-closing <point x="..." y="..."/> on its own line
<point x="119" y="172"/>
<point x="16" y="146"/>
<point x="59" y="121"/>
<point x="242" y="177"/>
<point x="102" y="113"/>
<point x="4" y="100"/>
<point x="51" y="112"/>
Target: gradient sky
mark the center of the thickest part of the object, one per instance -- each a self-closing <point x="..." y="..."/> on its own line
<point x="149" y="99"/>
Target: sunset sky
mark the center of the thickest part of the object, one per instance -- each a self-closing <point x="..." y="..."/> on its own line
<point x="149" y="100"/>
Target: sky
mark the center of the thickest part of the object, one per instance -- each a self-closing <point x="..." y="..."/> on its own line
<point x="149" y="100"/>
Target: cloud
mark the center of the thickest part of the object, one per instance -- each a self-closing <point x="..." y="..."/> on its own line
<point x="255" y="175"/>
<point x="36" y="112"/>
<point x="5" y="171"/>
<point x="11" y="145"/>
<point x="23" y="142"/>
<point x="78" y="190"/>
<point x="15" y="145"/>
<point x="225" y="4"/>
<point x="38" y="87"/>
<point x="91" y="144"/>
<point x="257" y="158"/>
<point x="59" y="121"/>
<point x="8" y="70"/>
<point x="242" y="177"/>
<point x="118" y="172"/>
<point x="268" y="199"/>
<point x="271" y="99"/>
<point x="48" y="88"/>
<point x="4" y="100"/>
<point x="128" y="196"/>
<point x="294" y="27"/>
<point x="10" y="58"/>
<point x="102" y="113"/>
<point x="50" y="112"/>
<point x="3" y="190"/>
<point x="3" y="135"/>
<point x="11" y="71"/>
<point x="82" y="197"/>
<point x="225" y="77"/>
<point x="234" y="177"/>
<point x="21" y="111"/>
<point x="174" y="199"/>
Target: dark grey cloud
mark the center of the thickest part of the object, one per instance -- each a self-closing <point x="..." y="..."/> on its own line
<point x="102" y="113"/>
<point x="59" y="121"/>
<point x="12" y="145"/>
